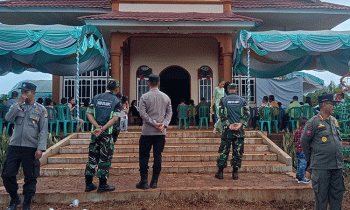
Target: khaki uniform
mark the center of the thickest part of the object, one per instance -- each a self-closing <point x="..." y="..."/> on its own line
<point x="323" y="148"/>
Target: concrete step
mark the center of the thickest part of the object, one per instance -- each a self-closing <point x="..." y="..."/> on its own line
<point x="166" y="157"/>
<point x="188" y="133"/>
<point x="217" y="140"/>
<point x="168" y="148"/>
<point x="167" y="167"/>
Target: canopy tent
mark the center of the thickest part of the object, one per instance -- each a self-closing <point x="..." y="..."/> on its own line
<point x="55" y="49"/>
<point x="277" y="53"/>
<point x="43" y="88"/>
<point x="52" y="49"/>
<point x="283" y="90"/>
<point x="311" y="83"/>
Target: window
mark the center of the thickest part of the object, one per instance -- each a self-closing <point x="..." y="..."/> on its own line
<point x="142" y="78"/>
<point x="91" y="83"/>
<point x="242" y="83"/>
<point x="205" y="77"/>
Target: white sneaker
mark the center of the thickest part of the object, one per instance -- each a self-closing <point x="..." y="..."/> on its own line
<point x="304" y="181"/>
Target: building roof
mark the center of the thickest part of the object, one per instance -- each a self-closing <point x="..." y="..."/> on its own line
<point x="170" y="17"/>
<point x="244" y="4"/>
<point x="286" y="4"/>
<point x="105" y="4"/>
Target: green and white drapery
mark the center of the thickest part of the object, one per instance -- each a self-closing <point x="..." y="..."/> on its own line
<point x="277" y="53"/>
<point x="55" y="49"/>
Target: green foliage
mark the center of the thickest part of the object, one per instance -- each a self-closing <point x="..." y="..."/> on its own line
<point x="289" y="146"/>
<point x="4" y="97"/>
<point x="4" y="144"/>
<point x="331" y="88"/>
<point x="51" y="140"/>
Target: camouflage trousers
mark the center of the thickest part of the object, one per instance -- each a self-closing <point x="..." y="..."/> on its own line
<point x="101" y="151"/>
<point x="228" y="138"/>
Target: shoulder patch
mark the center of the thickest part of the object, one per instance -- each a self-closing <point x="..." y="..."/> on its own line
<point x="308" y="132"/>
<point x="46" y="114"/>
<point x="320" y="125"/>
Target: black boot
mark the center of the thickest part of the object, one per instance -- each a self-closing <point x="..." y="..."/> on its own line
<point x="104" y="187"/>
<point x="235" y="173"/>
<point x="15" y="201"/>
<point x="220" y="173"/>
<point x="89" y="185"/>
<point x="143" y="184"/>
<point x="26" y="202"/>
<point x="154" y="180"/>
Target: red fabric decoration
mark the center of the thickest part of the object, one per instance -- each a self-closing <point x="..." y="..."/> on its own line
<point x="208" y="77"/>
<point x="142" y="78"/>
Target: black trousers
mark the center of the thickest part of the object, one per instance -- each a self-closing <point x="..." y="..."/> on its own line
<point x="31" y="168"/>
<point x="145" y="145"/>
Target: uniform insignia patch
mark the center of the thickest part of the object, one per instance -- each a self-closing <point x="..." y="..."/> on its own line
<point x="324" y="139"/>
<point x="336" y="123"/>
<point x="104" y="104"/>
<point x="308" y="132"/>
<point x="320" y="125"/>
<point x="45" y="114"/>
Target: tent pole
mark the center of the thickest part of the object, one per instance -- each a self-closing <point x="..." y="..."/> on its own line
<point x="77" y="83"/>
<point x="248" y="77"/>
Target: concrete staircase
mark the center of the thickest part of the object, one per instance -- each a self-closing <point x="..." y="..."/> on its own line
<point x="186" y="151"/>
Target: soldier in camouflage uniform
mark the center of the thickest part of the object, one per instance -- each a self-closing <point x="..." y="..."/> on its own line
<point x="103" y="113"/>
<point x="233" y="118"/>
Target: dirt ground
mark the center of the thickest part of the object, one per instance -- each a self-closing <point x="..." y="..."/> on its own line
<point x="192" y="203"/>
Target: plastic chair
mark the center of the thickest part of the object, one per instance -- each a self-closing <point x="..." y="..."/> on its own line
<point x="63" y="116"/>
<point x="265" y="117"/>
<point x="280" y="116"/>
<point x="307" y="111"/>
<point x="275" y="117"/>
<point x="294" y="115"/>
<point x="82" y="115"/>
<point x="203" y="116"/>
<point x="252" y="117"/>
<point x="183" y="115"/>
<point x="191" y="115"/>
<point x="52" y="119"/>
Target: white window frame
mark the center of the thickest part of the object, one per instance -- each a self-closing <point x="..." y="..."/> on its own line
<point x="208" y="98"/>
<point x="89" y="77"/>
<point x="240" y="80"/>
<point x="144" y="88"/>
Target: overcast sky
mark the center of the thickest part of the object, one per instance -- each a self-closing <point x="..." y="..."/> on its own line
<point x="10" y="80"/>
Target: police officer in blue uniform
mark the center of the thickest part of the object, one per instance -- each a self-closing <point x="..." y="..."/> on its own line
<point x="27" y="143"/>
<point x="323" y="149"/>
<point x="103" y="113"/>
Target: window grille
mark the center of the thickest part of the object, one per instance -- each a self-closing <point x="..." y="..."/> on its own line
<point x="91" y="83"/>
<point x="242" y="83"/>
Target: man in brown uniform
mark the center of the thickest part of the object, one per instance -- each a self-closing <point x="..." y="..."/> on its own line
<point x="323" y="149"/>
<point x="155" y="110"/>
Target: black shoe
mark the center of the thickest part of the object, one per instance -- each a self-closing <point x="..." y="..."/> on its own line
<point x="143" y="184"/>
<point x="235" y="174"/>
<point x="153" y="183"/>
<point x="90" y="187"/>
<point x="14" y="203"/>
<point x="220" y="173"/>
<point x="105" y="188"/>
<point x="26" y="207"/>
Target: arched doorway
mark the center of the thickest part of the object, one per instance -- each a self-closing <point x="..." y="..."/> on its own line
<point x="175" y="81"/>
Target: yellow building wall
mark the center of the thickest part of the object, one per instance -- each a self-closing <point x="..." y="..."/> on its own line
<point x="161" y="53"/>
